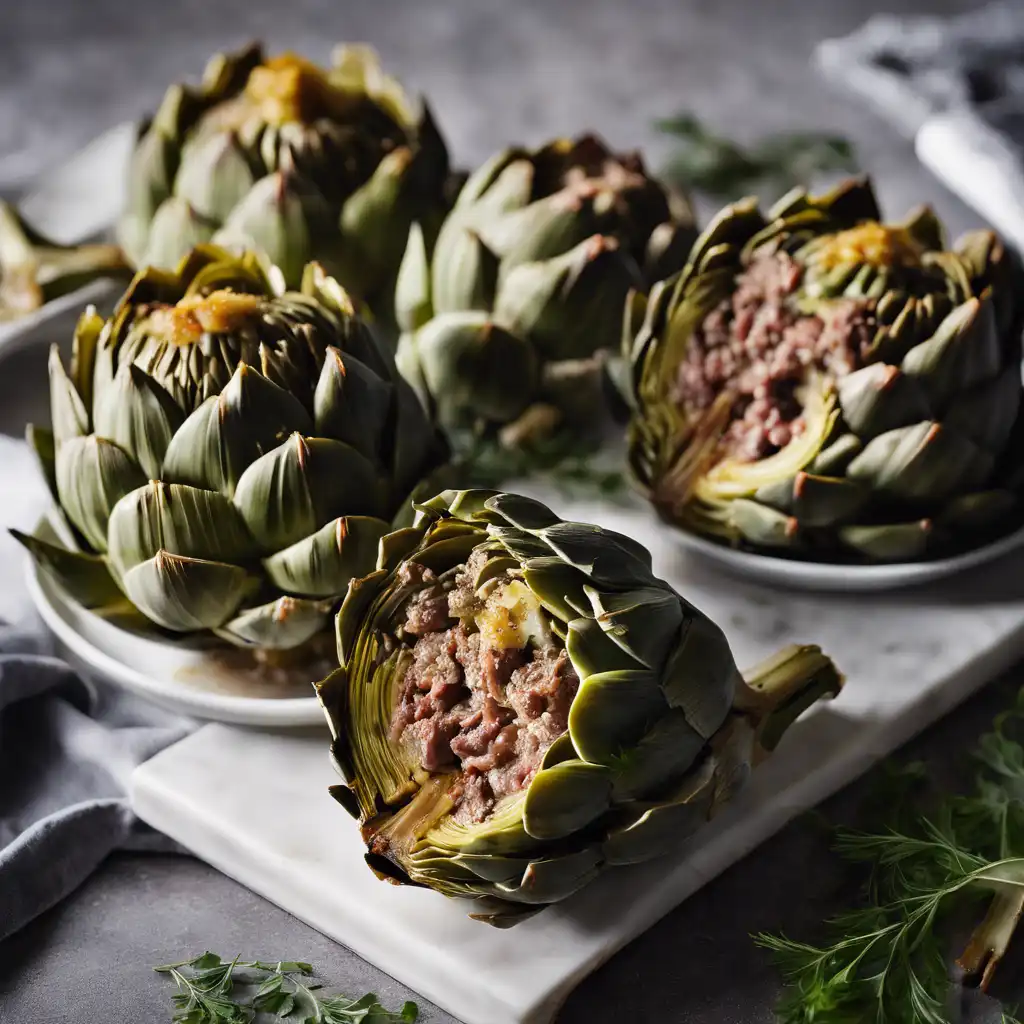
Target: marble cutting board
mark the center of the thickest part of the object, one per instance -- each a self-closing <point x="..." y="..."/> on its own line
<point x="910" y="656"/>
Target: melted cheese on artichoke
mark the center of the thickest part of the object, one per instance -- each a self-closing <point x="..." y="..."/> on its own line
<point x="511" y="617"/>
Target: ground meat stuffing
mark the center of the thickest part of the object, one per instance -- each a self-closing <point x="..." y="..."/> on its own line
<point x="760" y="346"/>
<point x="484" y="713"/>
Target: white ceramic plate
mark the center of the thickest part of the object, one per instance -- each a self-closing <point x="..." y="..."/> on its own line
<point x="824" y="576"/>
<point x="183" y="676"/>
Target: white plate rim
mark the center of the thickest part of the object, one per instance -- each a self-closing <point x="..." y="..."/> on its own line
<point x="53" y="607"/>
<point x="838" y="577"/>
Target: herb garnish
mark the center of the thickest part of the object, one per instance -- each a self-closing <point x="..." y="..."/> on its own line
<point x="216" y="991"/>
<point x="720" y="168"/>
<point x="887" y="961"/>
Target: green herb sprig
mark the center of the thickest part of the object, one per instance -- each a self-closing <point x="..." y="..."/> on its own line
<point x="723" y="169"/>
<point x="216" y="991"/>
<point x="886" y="962"/>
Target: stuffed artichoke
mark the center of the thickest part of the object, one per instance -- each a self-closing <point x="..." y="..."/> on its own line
<point x="523" y="297"/>
<point x="303" y="163"/>
<point x="225" y="453"/>
<point x="819" y="383"/>
<point x="522" y="703"/>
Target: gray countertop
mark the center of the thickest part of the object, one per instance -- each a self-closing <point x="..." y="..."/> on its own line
<point x="495" y="71"/>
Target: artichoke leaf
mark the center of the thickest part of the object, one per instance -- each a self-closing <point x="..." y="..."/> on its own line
<point x="649" y="830"/>
<point x="322" y="564"/>
<point x="878" y="398"/>
<point x="44" y="447"/>
<point x="93" y="474"/>
<point x="612" y="712"/>
<point x="565" y="798"/>
<point x="889" y="542"/>
<point x="67" y="410"/>
<point x="467" y="278"/>
<point x="351" y="403"/>
<point x="229" y="431"/>
<point x="280" y="625"/>
<point x="185" y="594"/>
<point x="644" y="622"/>
<point x="215" y="175"/>
<point x="175" y="230"/>
<point x="292" y="491"/>
<point x="140" y="416"/>
<point x="86" y="578"/>
<point x="177" y="520"/>
<point x="413" y="302"/>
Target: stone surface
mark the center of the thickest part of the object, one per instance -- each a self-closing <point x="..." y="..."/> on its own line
<point x="495" y="71"/>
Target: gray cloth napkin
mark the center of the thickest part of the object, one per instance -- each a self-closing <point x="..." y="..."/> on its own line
<point x="67" y="749"/>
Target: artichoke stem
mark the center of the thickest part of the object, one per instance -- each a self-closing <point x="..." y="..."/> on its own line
<point x="991" y="938"/>
<point x="778" y="690"/>
<point x="536" y="423"/>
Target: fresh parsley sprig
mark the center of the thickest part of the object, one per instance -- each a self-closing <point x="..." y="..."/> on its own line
<point x="886" y="962"/>
<point x="722" y="169"/>
<point x="216" y="991"/>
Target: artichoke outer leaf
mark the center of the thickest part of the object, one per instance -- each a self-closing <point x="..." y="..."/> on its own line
<point x="496" y="372"/>
<point x="67" y="410"/>
<point x="322" y="564"/>
<point x="140" y="416"/>
<point x="93" y="474"/>
<point x="467" y="278"/>
<point x="84" y="346"/>
<point x="613" y="711"/>
<point x="558" y="587"/>
<point x="593" y="652"/>
<point x="569" y="305"/>
<point x="551" y="879"/>
<point x="979" y="510"/>
<point x="186" y="594"/>
<point x="565" y="798"/>
<point x="279" y="625"/>
<point x="663" y="754"/>
<point x="649" y="830"/>
<point x="359" y="598"/>
<point x="877" y="398"/>
<point x="525" y="513"/>
<point x="351" y="403"/>
<point x="963" y="351"/>
<point x="175" y="230"/>
<point x="277" y="217"/>
<point x="987" y="412"/>
<point x="413" y="303"/>
<point x="605" y="556"/>
<point x="215" y="175"/>
<point x="836" y="456"/>
<point x="763" y="525"/>
<point x="229" y="431"/>
<point x="86" y="578"/>
<point x="543" y="229"/>
<point x="291" y="492"/>
<point x="891" y="542"/>
<point x="926" y="461"/>
<point x="44" y="447"/>
<point x="644" y="622"/>
<point x="815" y="500"/>
<point x="416" y="442"/>
<point x="700" y="677"/>
<point x="178" y="520"/>
<point x="560" y="750"/>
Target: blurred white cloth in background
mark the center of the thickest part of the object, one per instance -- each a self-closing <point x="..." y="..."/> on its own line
<point x="956" y="85"/>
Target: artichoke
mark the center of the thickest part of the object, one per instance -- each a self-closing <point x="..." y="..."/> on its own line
<point x="226" y="454"/>
<point x="523" y="297"/>
<point x="820" y="384"/>
<point x="35" y="270"/>
<point x="302" y="163"/>
<point x="522" y="703"/>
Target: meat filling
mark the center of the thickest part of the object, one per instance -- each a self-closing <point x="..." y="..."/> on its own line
<point x="761" y="347"/>
<point x="482" y="702"/>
